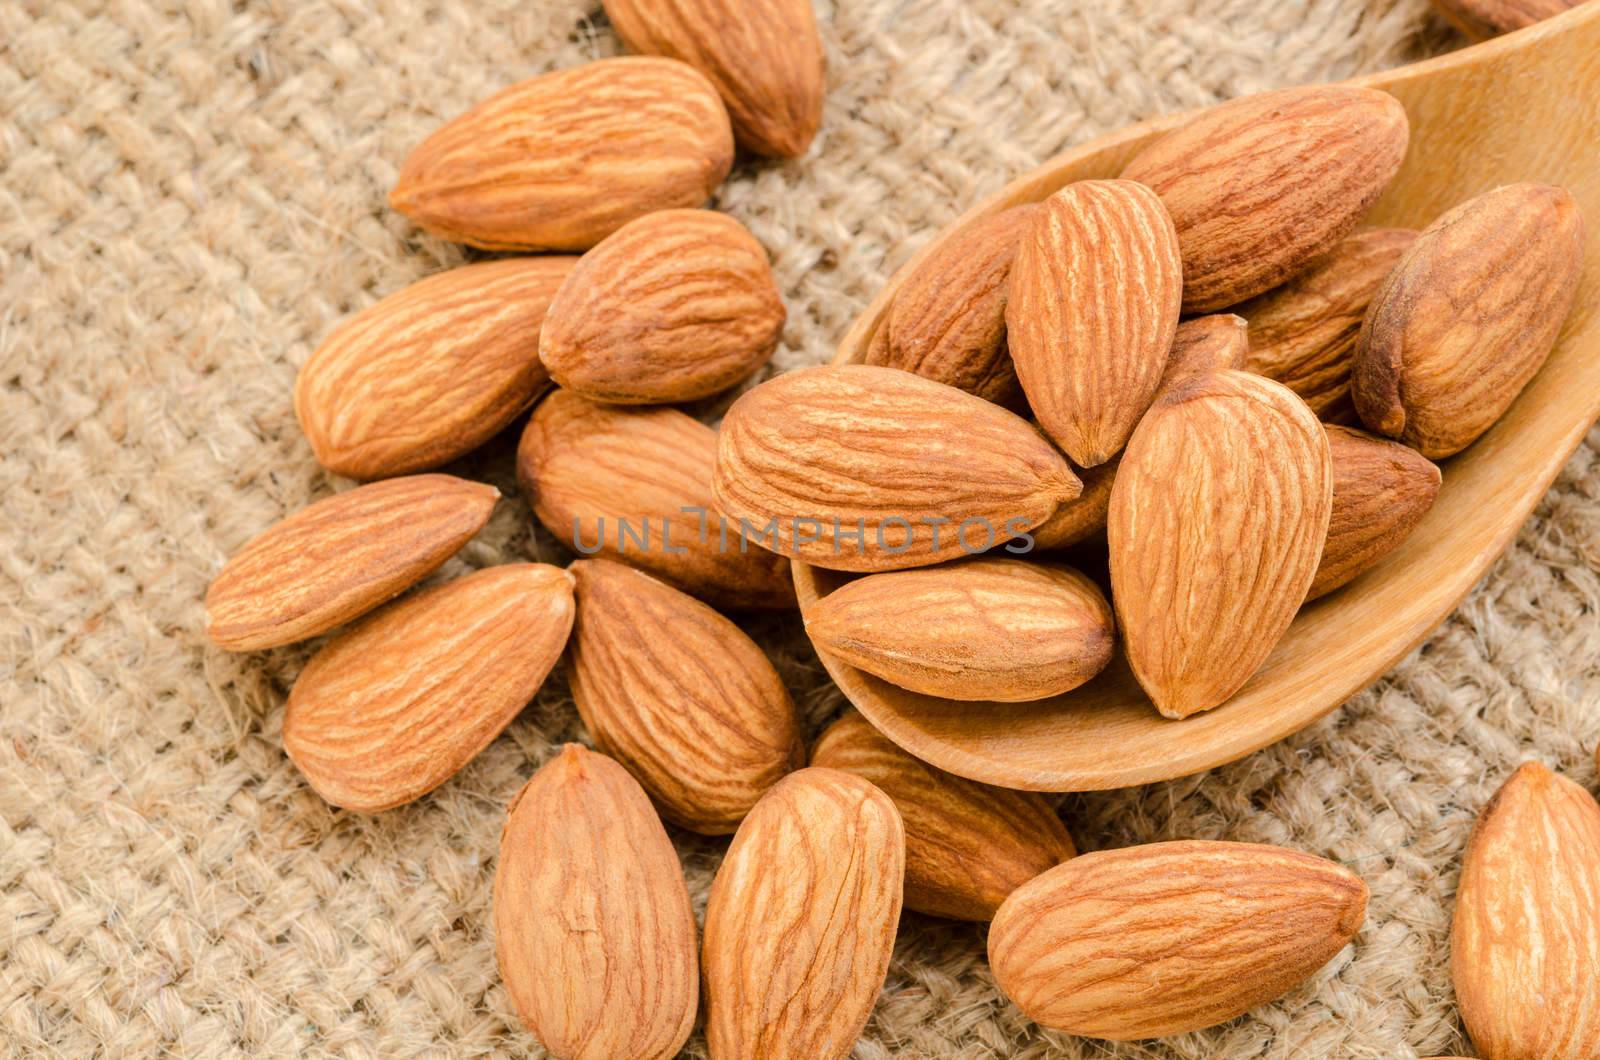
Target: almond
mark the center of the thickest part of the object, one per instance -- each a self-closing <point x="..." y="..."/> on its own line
<point x="859" y="467"/>
<point x="1093" y="305"/>
<point x="1083" y="516"/>
<point x="680" y="696"/>
<point x="801" y="920"/>
<point x="340" y="558"/>
<point x="1170" y="937"/>
<point x="1482" y="19"/>
<point x="1260" y="187"/>
<point x="431" y="372"/>
<point x="674" y="306"/>
<point x="764" y="57"/>
<point x="1381" y="490"/>
<point x="968" y="845"/>
<point x="563" y="160"/>
<point x="1203" y="345"/>
<point x="1468" y="316"/>
<point x="397" y="704"/>
<point x="992" y="628"/>
<point x="1218" y="516"/>
<point x="593" y="930"/>
<point x="1525" y="939"/>
<point x="635" y="485"/>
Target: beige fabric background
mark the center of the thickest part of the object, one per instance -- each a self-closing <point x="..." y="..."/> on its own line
<point x="192" y="194"/>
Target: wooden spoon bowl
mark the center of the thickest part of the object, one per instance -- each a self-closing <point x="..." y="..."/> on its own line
<point x="1525" y="107"/>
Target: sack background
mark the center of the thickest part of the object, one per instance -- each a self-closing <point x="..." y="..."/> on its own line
<point x="192" y="195"/>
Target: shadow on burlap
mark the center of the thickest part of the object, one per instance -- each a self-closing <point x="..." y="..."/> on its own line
<point x="192" y="195"/>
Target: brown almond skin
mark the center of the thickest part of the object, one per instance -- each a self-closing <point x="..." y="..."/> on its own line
<point x="1093" y="306"/>
<point x="397" y="704"/>
<point x="968" y="845"/>
<point x="341" y="557"/>
<point x="1083" y="516"/>
<point x="1381" y="490"/>
<point x="593" y="930"/>
<point x="801" y="920"/>
<point x="1482" y="19"/>
<point x="948" y="320"/>
<point x="992" y="628"/>
<point x="764" y="57"/>
<point x="1303" y="333"/>
<point x="1260" y="187"/>
<point x="561" y="161"/>
<point x="674" y="306"/>
<point x="1525" y="938"/>
<point x="585" y="468"/>
<point x="680" y="696"/>
<point x="1468" y="316"/>
<point x="867" y="445"/>
<point x="1166" y="938"/>
<point x="431" y="372"/>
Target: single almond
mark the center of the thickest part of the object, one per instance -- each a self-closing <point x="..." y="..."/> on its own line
<point x="341" y="557"/>
<point x="680" y="696"/>
<point x="1167" y="938"/>
<point x="1094" y="294"/>
<point x="561" y="161"/>
<point x="397" y="704"/>
<point x="1083" y="516"/>
<point x="593" y="930"/>
<point x="1262" y="186"/>
<point x="675" y="306"/>
<point x="1482" y="19"/>
<point x="801" y="920"/>
<point x="431" y="372"/>
<point x="968" y="845"/>
<point x="1381" y="490"/>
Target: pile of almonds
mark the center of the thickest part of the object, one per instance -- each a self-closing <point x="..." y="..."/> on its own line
<point x="1177" y="359"/>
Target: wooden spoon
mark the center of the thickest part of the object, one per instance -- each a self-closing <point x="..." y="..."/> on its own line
<point x="1522" y="107"/>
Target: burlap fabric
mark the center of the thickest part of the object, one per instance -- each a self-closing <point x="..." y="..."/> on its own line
<point x="192" y="194"/>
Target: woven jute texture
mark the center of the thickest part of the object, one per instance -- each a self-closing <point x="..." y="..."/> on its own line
<point x="192" y="195"/>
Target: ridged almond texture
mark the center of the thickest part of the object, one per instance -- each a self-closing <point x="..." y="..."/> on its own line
<point x="1303" y="333"/>
<point x="680" y="696"/>
<point x="431" y="372"/>
<point x="1083" y="516"/>
<point x="1525" y="939"/>
<point x="593" y="930"/>
<point x="1166" y="938"/>
<point x="674" y="306"/>
<point x="1093" y="306"/>
<point x="968" y="845"/>
<point x="341" y="557"/>
<point x="764" y="56"/>
<point x="948" y="321"/>
<point x="1482" y="19"/>
<point x="993" y="629"/>
<point x="1218" y="516"/>
<point x="1468" y="316"/>
<point x="561" y="161"/>
<point x="1260" y="187"/>
<point x="396" y="705"/>
<point x="1381" y="490"/>
<point x="860" y="467"/>
<point x="635" y="485"/>
<point x="801" y="920"/>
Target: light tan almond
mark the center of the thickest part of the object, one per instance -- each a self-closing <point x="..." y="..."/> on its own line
<point x="859" y="467"/>
<point x="1166" y="938"/>
<point x="801" y="920"/>
<point x="1093" y="306"/>
<point x="1468" y="316"/>
<point x="1218" y="516"/>
<point x="1381" y="490"/>
<point x="635" y="485"/>
<point x="1083" y="516"/>
<point x="341" y="557"/>
<point x="674" y="306"/>
<point x="563" y="160"/>
<point x="680" y="696"/>
<point x="1260" y="187"/>
<point x="1525" y="939"/>
<point x="968" y="845"/>
<point x="431" y="372"/>
<point x="1482" y="19"/>
<point x="397" y="704"/>
<point x="593" y="930"/>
